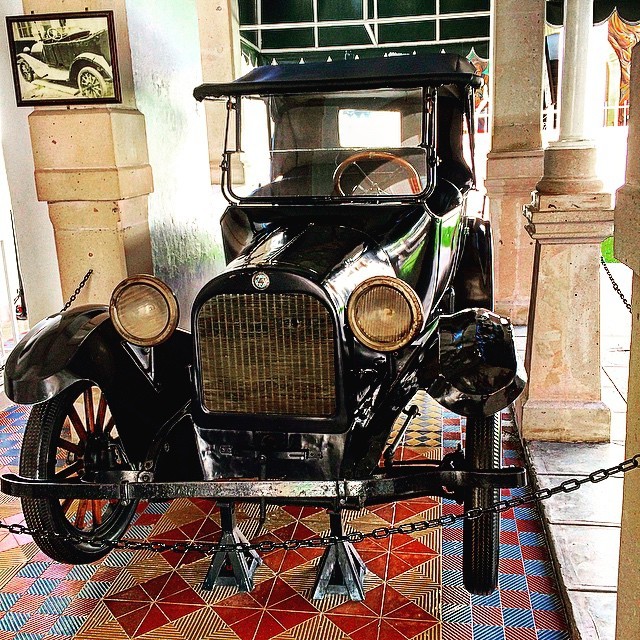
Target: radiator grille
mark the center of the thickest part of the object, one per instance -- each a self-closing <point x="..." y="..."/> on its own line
<point x="267" y="354"/>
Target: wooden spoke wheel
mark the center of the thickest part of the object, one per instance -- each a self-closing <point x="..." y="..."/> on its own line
<point x="72" y="434"/>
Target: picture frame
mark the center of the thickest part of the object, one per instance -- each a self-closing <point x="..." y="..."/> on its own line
<point x="64" y="58"/>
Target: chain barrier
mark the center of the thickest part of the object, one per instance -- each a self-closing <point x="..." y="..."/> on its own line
<point x="379" y="533"/>
<point x="72" y="299"/>
<point x="614" y="284"/>
<point x="265" y="546"/>
<point x="76" y="293"/>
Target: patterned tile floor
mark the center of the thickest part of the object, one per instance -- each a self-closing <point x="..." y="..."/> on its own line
<point x="413" y="585"/>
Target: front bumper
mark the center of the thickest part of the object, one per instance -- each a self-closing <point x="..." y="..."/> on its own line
<point x="405" y="481"/>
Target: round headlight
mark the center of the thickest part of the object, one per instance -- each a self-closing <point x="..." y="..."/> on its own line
<point x="384" y="313"/>
<point x="144" y="310"/>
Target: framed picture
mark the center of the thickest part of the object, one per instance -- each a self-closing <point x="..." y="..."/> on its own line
<point x="64" y="58"/>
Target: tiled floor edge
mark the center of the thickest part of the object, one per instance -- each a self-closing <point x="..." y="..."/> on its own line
<point x="581" y="627"/>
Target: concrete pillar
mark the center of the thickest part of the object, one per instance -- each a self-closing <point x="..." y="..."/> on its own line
<point x="91" y="166"/>
<point x="627" y="250"/>
<point x="568" y="218"/>
<point x="515" y="162"/>
<point x="218" y="24"/>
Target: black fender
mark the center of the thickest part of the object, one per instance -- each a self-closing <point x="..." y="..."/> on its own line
<point x="473" y="281"/>
<point x="82" y="344"/>
<point x="479" y="372"/>
<point x="37" y="369"/>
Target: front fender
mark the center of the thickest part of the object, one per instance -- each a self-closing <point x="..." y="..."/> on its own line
<point x="83" y="345"/>
<point x="479" y="372"/>
<point x="38" y="367"/>
<point x="92" y="60"/>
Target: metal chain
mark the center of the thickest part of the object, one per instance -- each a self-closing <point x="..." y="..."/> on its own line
<point x="614" y="284"/>
<point x="265" y="546"/>
<point x="72" y="299"/>
<point x="76" y="293"/>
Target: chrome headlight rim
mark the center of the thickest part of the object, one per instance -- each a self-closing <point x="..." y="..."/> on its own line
<point x="173" y="309"/>
<point x="409" y="295"/>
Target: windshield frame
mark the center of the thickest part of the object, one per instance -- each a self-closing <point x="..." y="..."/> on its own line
<point x="428" y="142"/>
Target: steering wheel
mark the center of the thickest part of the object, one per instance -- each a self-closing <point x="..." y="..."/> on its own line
<point x="54" y="33"/>
<point x="373" y="186"/>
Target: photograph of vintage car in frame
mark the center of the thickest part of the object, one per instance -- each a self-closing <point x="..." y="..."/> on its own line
<point x="64" y="58"/>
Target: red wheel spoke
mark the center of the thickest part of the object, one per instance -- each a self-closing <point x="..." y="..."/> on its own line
<point x="97" y="512"/>
<point x="66" y="504"/>
<point x="81" y="513"/>
<point x="70" y="470"/>
<point x="102" y="410"/>
<point x="109" y="426"/>
<point x="88" y="410"/>
<point x="70" y="446"/>
<point x="77" y="424"/>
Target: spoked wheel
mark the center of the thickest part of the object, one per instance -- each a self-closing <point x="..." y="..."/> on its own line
<point x="65" y="437"/>
<point x="481" y="536"/>
<point x="91" y="83"/>
<point x="26" y="71"/>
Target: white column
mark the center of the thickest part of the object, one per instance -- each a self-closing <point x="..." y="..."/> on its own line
<point x="578" y="22"/>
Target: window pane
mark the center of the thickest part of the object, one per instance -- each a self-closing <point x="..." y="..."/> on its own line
<point x="342" y="36"/>
<point x="392" y="8"/>
<point x="287" y="38"/>
<point x="369" y="129"/>
<point x="407" y="31"/>
<point x="287" y="11"/>
<point x="464" y="28"/>
<point x="464" y="6"/>
<point x="247" y="11"/>
<point x="340" y="9"/>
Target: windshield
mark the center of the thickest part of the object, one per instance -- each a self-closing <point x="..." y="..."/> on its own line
<point x="342" y="145"/>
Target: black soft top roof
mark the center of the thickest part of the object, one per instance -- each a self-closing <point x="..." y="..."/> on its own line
<point x="393" y="72"/>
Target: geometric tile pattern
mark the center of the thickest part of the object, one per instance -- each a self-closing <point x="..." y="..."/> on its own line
<point x="140" y="594"/>
<point x="526" y="605"/>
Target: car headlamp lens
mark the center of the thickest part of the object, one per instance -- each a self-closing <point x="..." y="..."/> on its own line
<point x="384" y="313"/>
<point x="144" y="310"/>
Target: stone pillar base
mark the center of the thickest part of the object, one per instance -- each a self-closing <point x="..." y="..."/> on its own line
<point x="569" y="170"/>
<point x="563" y="401"/>
<point x="566" y="421"/>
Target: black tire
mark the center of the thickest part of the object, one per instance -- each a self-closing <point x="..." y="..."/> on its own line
<point x="26" y="71"/>
<point x="62" y="438"/>
<point x="481" y="536"/>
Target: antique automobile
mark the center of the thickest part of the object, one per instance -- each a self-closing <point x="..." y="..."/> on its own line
<point x="357" y="274"/>
<point x="71" y="56"/>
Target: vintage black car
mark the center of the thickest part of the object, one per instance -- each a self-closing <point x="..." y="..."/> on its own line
<point x="78" y="57"/>
<point x="357" y="274"/>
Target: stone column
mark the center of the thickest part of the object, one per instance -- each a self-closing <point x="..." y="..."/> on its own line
<point x="515" y="162"/>
<point x="91" y="166"/>
<point x="568" y="218"/>
<point x="627" y="250"/>
<point x="220" y="45"/>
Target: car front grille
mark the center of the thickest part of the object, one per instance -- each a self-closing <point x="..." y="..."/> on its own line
<point x="267" y="353"/>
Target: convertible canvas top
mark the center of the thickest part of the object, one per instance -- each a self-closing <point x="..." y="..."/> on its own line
<point x="393" y="72"/>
